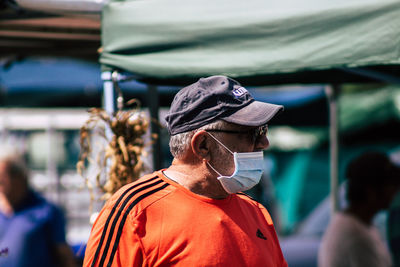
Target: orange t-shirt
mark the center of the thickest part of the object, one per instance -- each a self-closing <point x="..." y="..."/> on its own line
<point x="157" y="222"/>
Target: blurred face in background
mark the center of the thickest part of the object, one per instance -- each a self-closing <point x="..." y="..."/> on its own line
<point x="14" y="188"/>
<point x="387" y="193"/>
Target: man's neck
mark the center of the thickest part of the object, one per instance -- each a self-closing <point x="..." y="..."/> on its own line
<point x="197" y="179"/>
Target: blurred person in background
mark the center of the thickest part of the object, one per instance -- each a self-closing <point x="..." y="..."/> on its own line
<point x="32" y="230"/>
<point x="351" y="240"/>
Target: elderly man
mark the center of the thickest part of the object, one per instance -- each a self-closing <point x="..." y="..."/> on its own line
<point x="193" y="213"/>
<point x="32" y="230"/>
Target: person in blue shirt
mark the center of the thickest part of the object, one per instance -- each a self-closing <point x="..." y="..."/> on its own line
<point x="32" y="230"/>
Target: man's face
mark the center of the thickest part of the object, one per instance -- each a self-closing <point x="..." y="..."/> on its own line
<point x="244" y="141"/>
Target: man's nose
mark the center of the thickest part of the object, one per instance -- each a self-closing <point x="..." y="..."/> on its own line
<point x="262" y="143"/>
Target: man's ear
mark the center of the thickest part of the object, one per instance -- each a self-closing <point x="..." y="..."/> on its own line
<point x="200" y="145"/>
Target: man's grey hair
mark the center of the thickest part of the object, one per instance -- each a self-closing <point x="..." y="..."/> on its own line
<point x="180" y="143"/>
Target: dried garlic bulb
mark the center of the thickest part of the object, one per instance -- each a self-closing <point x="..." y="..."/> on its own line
<point x="122" y="155"/>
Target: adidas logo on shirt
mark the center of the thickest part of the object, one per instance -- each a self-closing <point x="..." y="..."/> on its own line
<point x="260" y="234"/>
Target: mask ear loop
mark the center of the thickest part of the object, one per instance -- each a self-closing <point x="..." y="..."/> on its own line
<point x="217" y="172"/>
<point x="220" y="142"/>
<point x="209" y="165"/>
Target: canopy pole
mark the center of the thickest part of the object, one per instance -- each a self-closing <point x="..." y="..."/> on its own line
<point x="332" y="92"/>
<point x="155" y="127"/>
<point x="108" y="93"/>
<point x="109" y="103"/>
<point x="109" y="106"/>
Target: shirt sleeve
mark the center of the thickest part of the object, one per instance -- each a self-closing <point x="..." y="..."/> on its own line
<point x="268" y="218"/>
<point x="129" y="250"/>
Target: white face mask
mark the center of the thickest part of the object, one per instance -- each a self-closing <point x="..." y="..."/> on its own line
<point x="248" y="170"/>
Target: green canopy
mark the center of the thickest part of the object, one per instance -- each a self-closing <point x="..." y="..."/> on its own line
<point x="255" y="41"/>
<point x="358" y="111"/>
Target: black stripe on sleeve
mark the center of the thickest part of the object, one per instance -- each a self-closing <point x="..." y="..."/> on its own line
<point x="103" y="234"/>
<point x="118" y="215"/>
<point x="121" y="226"/>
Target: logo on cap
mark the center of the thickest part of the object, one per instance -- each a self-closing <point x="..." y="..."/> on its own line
<point x="238" y="92"/>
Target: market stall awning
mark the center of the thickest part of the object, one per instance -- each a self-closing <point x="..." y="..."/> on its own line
<point x="27" y="33"/>
<point x="256" y="41"/>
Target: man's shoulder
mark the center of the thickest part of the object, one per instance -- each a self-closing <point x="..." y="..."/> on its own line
<point x="245" y="196"/>
<point x="249" y="199"/>
<point x="140" y="193"/>
<point x="254" y="205"/>
<point x="149" y="182"/>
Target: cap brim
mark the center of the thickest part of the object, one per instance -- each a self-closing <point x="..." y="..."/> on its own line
<point x="255" y="114"/>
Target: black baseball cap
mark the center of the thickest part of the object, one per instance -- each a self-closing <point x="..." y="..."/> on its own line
<point x="214" y="98"/>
